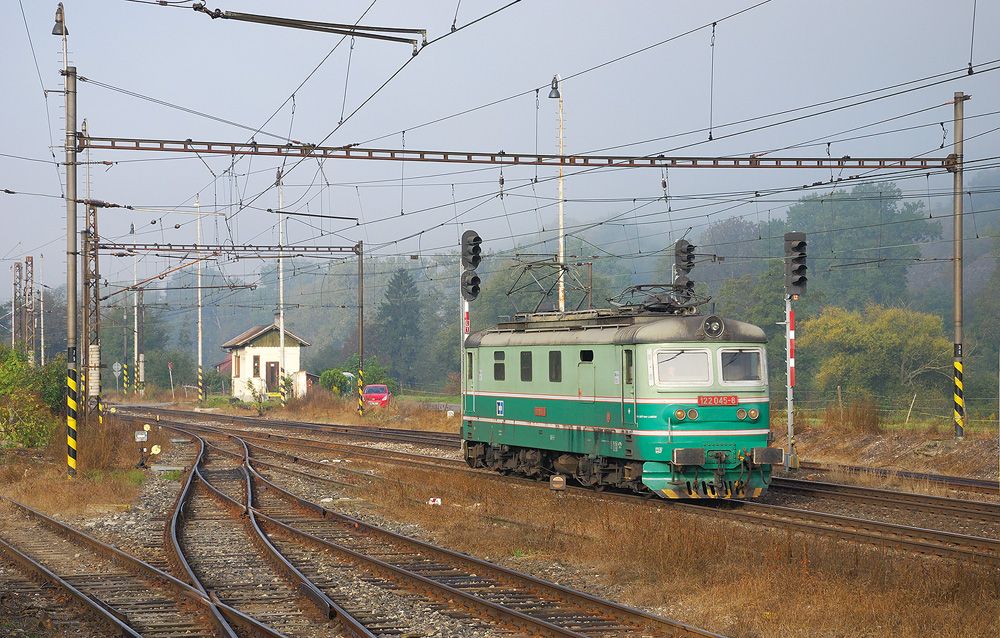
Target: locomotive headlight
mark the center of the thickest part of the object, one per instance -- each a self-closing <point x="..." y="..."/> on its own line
<point x="741" y="414"/>
<point x="692" y="414"/>
<point x="679" y="415"/>
<point x="753" y="413"/>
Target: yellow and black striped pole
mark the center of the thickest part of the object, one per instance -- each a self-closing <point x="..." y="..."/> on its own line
<point x="71" y="421"/>
<point x="201" y="385"/>
<point x="361" y="395"/>
<point x="100" y="411"/>
<point x="959" y="401"/>
<point x="125" y="379"/>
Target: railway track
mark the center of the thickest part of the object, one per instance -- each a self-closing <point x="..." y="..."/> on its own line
<point x="130" y="597"/>
<point x="222" y="550"/>
<point x="447" y="439"/>
<point x="906" y="537"/>
<point x="321" y="541"/>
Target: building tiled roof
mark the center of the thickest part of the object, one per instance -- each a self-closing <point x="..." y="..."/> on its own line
<point x="246" y="337"/>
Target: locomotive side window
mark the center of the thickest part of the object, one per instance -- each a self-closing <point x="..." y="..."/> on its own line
<point x="742" y="366"/>
<point x="629" y="367"/>
<point x="687" y="367"/>
<point x="525" y="366"/>
<point x="586" y="356"/>
<point x="468" y="365"/>
<point x="499" y="371"/>
<point x="555" y="366"/>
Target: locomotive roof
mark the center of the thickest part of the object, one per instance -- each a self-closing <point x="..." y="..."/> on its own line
<point x="600" y="328"/>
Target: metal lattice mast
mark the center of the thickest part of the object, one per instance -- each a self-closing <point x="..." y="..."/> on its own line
<point x="17" y="309"/>
<point x="92" y="310"/>
<point x="28" y="300"/>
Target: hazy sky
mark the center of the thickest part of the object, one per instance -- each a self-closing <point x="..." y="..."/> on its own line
<point x="781" y="55"/>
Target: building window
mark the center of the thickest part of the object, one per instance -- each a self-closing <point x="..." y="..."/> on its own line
<point x="525" y="366"/>
<point x="468" y="365"/>
<point x="236" y="365"/>
<point x="499" y="371"/>
<point x="587" y="356"/>
<point x="629" y="367"/>
<point x="256" y="366"/>
<point x="555" y="366"/>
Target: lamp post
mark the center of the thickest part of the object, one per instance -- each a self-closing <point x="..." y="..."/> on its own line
<point x="556" y="94"/>
<point x="69" y="79"/>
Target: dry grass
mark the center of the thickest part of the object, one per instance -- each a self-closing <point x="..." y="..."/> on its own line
<point x="861" y="417"/>
<point x="324" y="407"/>
<point x="738" y="580"/>
<point x="106" y="477"/>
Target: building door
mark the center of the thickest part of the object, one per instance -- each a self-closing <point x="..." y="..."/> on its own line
<point x="272" y="376"/>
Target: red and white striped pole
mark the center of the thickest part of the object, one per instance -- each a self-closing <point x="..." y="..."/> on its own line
<point x="791" y="458"/>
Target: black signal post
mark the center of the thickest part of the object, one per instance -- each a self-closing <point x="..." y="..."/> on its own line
<point x="795" y="264"/>
<point x="795" y="286"/>
<point x="471" y="257"/>
<point x="684" y="256"/>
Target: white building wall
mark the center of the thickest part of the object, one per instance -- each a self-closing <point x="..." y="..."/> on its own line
<point x="266" y="354"/>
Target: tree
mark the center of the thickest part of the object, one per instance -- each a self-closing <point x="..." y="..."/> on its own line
<point x="880" y="351"/>
<point x="759" y="300"/>
<point x="399" y="328"/>
<point x="861" y="242"/>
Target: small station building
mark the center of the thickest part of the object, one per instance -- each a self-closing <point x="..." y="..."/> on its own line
<point x="255" y="358"/>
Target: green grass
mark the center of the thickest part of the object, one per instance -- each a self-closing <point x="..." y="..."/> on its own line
<point x="171" y="475"/>
<point x="131" y="477"/>
<point x="430" y="398"/>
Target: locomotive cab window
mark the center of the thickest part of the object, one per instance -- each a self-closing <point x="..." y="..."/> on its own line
<point x="555" y="366"/>
<point x="525" y="366"/>
<point x="629" y="367"/>
<point x="499" y="371"/>
<point x="587" y="356"/>
<point x="468" y="365"/>
<point x="683" y="367"/>
<point x="742" y="366"/>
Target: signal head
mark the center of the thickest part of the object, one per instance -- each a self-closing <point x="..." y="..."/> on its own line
<point x="471" y="249"/>
<point x="471" y="284"/>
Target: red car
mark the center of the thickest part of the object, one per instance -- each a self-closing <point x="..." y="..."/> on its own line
<point x="376" y="395"/>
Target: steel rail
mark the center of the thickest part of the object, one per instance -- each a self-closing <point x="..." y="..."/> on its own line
<point x="637" y="619"/>
<point x="249" y="625"/>
<point x="171" y="541"/>
<point x="926" y="541"/>
<point x="512" y="618"/>
<point x="979" y="510"/>
<point x="963" y="483"/>
<point x="327" y="608"/>
<point x="30" y="565"/>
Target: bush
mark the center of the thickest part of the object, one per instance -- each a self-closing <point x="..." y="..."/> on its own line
<point x="335" y="381"/>
<point x="24" y="420"/>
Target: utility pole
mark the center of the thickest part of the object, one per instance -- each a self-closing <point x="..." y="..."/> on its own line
<point x="69" y="91"/>
<point x="201" y="382"/>
<point x="136" y="379"/>
<point x="956" y="167"/>
<point x="360" y="248"/>
<point x="281" y="290"/>
<point x="556" y="93"/>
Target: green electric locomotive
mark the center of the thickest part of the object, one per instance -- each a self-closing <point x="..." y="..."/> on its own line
<point x="670" y="403"/>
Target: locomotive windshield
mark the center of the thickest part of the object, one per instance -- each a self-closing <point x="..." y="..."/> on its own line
<point x="742" y="366"/>
<point x="683" y="366"/>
